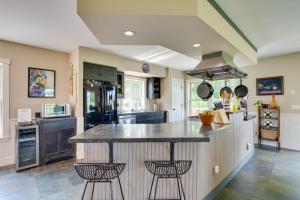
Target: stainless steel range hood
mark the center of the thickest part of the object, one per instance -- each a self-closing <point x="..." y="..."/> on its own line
<point x="217" y="66"/>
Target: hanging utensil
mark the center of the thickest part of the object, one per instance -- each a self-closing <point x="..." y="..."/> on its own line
<point x="205" y="90"/>
<point x="241" y="90"/>
<point x="226" y="92"/>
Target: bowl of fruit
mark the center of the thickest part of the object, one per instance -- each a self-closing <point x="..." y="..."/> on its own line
<point x="207" y="117"/>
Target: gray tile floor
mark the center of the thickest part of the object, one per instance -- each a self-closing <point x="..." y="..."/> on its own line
<point x="268" y="176"/>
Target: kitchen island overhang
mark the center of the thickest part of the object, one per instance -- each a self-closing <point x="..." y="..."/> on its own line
<point x="224" y="146"/>
<point x="182" y="131"/>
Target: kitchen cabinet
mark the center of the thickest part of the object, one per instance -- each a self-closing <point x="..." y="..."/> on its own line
<point x="120" y="82"/>
<point x="151" y="117"/>
<point x="99" y="72"/>
<point x="153" y="88"/>
<point x="54" y="136"/>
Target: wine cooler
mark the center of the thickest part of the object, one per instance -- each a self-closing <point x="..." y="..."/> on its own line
<point x="27" y="147"/>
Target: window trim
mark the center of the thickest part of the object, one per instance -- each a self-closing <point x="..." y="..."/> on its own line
<point x="4" y="133"/>
<point x="188" y="89"/>
<point x="143" y="80"/>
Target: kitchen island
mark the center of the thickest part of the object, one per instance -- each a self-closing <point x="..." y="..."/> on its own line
<point x="226" y="147"/>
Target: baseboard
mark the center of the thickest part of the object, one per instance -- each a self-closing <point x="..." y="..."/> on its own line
<point x="216" y="191"/>
<point x="7" y="161"/>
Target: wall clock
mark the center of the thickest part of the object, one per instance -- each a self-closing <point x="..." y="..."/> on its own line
<point x="146" y="68"/>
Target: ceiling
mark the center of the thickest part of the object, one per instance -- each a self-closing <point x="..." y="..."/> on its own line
<point x="272" y="25"/>
<point x="55" y="25"/>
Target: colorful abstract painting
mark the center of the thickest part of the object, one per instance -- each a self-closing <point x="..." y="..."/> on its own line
<point x="269" y="86"/>
<point x="41" y="83"/>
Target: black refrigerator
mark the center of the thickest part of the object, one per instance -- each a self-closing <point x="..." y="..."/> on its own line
<point x="100" y="103"/>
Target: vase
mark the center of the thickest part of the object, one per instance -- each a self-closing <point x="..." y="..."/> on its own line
<point x="274" y="103"/>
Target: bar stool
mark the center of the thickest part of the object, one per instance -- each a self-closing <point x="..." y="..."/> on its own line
<point x="168" y="169"/>
<point x="100" y="173"/>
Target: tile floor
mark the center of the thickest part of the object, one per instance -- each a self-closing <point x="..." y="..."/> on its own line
<point x="270" y="175"/>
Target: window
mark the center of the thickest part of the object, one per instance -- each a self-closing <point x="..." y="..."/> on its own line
<point x="218" y="85"/>
<point x="134" y="98"/>
<point x="4" y="98"/>
<point x="196" y="104"/>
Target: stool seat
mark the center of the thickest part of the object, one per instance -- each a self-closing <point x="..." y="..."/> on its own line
<point x="100" y="173"/>
<point x="168" y="168"/>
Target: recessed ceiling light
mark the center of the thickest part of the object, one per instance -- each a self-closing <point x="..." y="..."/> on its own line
<point x="129" y="33"/>
<point x="196" y="45"/>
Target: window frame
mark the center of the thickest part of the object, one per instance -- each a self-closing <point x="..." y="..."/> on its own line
<point x="4" y="132"/>
<point x="189" y="100"/>
<point x="143" y="99"/>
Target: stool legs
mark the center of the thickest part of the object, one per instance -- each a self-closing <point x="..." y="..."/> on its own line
<point x="82" y="197"/>
<point x="156" y="184"/>
<point x="121" y="188"/>
<point x="182" y="188"/>
<point x="93" y="190"/>
<point x="151" y="186"/>
<point x="111" y="190"/>
<point x="179" y="187"/>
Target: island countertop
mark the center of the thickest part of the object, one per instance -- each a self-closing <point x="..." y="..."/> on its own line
<point x="182" y="131"/>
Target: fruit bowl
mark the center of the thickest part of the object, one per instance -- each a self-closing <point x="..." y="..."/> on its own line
<point x="207" y="117"/>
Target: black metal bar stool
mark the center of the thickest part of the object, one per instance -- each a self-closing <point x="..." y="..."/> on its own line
<point x="168" y="169"/>
<point x="100" y="173"/>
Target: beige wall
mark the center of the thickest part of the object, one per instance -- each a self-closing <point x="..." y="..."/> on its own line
<point x="287" y="66"/>
<point x="22" y="57"/>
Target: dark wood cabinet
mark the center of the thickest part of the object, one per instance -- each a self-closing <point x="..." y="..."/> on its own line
<point x="153" y="88"/>
<point x="54" y="136"/>
<point x="99" y="72"/>
<point x="151" y="117"/>
<point x="120" y="82"/>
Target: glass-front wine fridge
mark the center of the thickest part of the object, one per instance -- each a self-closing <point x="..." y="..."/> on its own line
<point x="27" y="147"/>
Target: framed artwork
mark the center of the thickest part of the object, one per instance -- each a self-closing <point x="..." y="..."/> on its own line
<point x="270" y="85"/>
<point x="41" y="83"/>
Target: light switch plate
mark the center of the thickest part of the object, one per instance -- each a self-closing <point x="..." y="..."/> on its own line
<point x="216" y="169"/>
<point x="295" y="107"/>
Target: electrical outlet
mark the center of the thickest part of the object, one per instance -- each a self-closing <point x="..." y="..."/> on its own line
<point x="293" y="91"/>
<point x="216" y="169"/>
<point x="248" y="146"/>
<point x="295" y="107"/>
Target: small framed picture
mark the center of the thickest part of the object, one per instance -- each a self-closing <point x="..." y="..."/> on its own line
<point x="270" y="85"/>
<point x="41" y="83"/>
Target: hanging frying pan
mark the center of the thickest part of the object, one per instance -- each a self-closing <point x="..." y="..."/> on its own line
<point x="205" y="90"/>
<point x="226" y="91"/>
<point x="241" y="90"/>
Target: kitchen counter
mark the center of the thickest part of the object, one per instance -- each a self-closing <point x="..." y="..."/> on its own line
<point x="227" y="146"/>
<point x="183" y="131"/>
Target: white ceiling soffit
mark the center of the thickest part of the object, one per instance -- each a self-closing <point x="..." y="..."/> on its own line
<point x="154" y="54"/>
<point x="177" y="33"/>
<point x="272" y="25"/>
<point x="49" y="24"/>
<point x="55" y="25"/>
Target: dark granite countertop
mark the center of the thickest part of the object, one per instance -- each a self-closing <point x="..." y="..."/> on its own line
<point x="137" y="112"/>
<point x="183" y="131"/>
